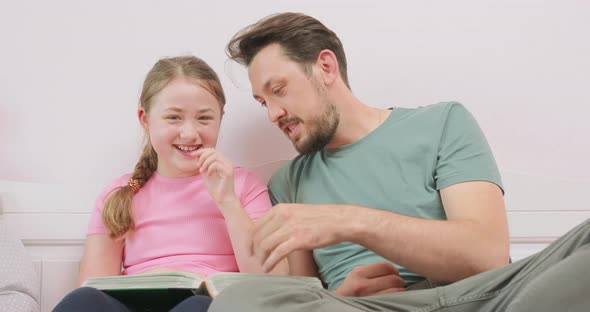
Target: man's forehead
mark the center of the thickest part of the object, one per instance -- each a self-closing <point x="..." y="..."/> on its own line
<point x="267" y="58"/>
<point x="262" y="73"/>
<point x="273" y="51"/>
<point x="270" y="65"/>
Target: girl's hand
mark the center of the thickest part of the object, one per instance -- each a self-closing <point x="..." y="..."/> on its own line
<point x="218" y="174"/>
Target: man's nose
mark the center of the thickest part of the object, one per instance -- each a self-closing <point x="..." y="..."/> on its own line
<point x="275" y="112"/>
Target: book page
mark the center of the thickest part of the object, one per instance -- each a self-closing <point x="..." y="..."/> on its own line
<point x="217" y="282"/>
<point x="169" y="279"/>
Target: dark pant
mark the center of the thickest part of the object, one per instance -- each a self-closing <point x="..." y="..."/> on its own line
<point x="89" y="299"/>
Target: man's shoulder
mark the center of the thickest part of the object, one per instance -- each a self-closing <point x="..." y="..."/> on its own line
<point x="288" y="175"/>
<point x="439" y="109"/>
<point x="429" y="117"/>
<point x="288" y="169"/>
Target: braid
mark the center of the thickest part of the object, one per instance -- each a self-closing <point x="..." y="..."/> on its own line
<point x="146" y="166"/>
<point x="117" y="215"/>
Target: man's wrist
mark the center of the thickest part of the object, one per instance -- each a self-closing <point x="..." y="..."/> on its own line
<point x="361" y="223"/>
<point x="352" y="225"/>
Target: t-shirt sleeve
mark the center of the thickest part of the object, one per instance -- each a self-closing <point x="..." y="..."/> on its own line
<point x="95" y="225"/>
<point x="253" y="194"/>
<point x="464" y="153"/>
<point x="279" y="186"/>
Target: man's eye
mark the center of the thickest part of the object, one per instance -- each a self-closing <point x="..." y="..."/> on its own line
<point x="263" y="103"/>
<point x="278" y="91"/>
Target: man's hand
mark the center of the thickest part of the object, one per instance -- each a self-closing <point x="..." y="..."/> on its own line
<point x="373" y="279"/>
<point x="289" y="227"/>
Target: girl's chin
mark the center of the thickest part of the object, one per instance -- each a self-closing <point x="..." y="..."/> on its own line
<point x="184" y="172"/>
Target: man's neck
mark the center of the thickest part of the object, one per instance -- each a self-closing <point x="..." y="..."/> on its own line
<point x="357" y="120"/>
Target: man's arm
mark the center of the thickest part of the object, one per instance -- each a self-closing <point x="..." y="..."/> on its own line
<point x="472" y="240"/>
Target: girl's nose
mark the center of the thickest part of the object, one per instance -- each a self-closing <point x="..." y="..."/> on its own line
<point x="190" y="130"/>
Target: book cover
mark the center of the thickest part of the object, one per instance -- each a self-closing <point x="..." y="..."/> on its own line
<point x="161" y="291"/>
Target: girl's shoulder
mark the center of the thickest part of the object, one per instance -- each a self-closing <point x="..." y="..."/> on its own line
<point x="246" y="178"/>
<point x="115" y="184"/>
<point x="120" y="180"/>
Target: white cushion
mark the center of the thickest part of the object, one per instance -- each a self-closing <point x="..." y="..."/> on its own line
<point x="19" y="286"/>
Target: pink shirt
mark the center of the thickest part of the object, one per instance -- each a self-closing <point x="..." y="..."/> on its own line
<point x="178" y="225"/>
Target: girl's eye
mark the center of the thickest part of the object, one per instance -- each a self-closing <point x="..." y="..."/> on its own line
<point x="173" y="117"/>
<point x="205" y="118"/>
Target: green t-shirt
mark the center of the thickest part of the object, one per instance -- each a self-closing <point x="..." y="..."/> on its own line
<point x="399" y="167"/>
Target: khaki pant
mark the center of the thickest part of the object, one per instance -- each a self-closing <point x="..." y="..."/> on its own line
<point x="556" y="279"/>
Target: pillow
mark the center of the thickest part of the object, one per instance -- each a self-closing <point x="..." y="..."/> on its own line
<point x="19" y="284"/>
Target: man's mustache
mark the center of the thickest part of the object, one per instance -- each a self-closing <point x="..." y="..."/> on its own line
<point x="285" y="121"/>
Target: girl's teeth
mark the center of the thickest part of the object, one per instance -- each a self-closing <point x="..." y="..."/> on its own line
<point x="187" y="149"/>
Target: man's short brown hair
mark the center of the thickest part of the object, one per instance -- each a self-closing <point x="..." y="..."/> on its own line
<point x="301" y="37"/>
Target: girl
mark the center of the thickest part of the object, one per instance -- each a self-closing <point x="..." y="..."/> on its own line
<point x="184" y="207"/>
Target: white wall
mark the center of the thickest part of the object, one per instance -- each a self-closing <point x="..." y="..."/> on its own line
<point x="71" y="71"/>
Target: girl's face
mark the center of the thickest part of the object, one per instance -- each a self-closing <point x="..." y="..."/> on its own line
<point x="183" y="118"/>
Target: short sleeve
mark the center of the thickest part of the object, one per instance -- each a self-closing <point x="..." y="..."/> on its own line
<point x="95" y="225"/>
<point x="464" y="153"/>
<point x="253" y="193"/>
<point x="279" y="186"/>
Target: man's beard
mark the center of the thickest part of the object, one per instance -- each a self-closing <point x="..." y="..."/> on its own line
<point x="320" y="130"/>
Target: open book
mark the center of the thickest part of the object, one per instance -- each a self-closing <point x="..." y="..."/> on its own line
<point x="166" y="289"/>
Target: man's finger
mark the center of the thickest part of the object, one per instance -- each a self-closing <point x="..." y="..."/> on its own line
<point x="269" y="239"/>
<point x="381" y="283"/>
<point x="265" y="226"/>
<point x="278" y="254"/>
<point x="377" y="269"/>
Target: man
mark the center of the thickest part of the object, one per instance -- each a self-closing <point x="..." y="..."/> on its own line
<point x="380" y="201"/>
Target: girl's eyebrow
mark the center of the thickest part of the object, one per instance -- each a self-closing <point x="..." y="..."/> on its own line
<point x="180" y="110"/>
<point x="206" y="109"/>
<point x="176" y="109"/>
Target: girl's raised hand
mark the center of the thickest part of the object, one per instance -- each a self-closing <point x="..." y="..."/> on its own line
<point x="218" y="174"/>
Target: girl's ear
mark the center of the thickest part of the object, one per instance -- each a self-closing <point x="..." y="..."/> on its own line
<point x="142" y="116"/>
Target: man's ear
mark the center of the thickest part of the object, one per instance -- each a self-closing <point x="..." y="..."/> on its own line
<point x="142" y="116"/>
<point x="327" y="63"/>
